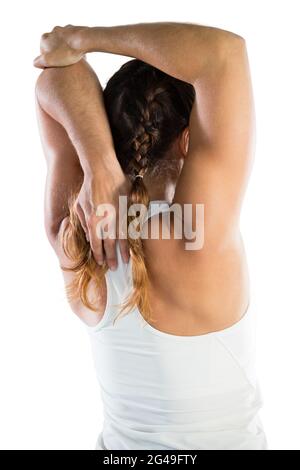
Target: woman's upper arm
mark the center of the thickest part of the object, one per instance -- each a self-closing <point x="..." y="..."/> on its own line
<point x="220" y="151"/>
<point x="64" y="173"/>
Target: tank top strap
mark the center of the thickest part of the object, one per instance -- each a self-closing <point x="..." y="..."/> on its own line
<point x="156" y="207"/>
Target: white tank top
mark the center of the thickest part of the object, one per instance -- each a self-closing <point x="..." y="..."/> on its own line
<point x="163" y="391"/>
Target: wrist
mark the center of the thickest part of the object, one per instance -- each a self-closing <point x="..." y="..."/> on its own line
<point x="78" y="38"/>
<point x="101" y="168"/>
<point x="84" y="39"/>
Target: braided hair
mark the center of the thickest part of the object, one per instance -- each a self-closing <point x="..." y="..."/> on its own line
<point x="147" y="110"/>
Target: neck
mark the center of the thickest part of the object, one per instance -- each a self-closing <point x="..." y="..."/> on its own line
<point x="161" y="183"/>
<point x="160" y="192"/>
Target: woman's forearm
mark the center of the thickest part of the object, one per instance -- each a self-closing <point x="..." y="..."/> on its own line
<point x="73" y="97"/>
<point x="182" y="50"/>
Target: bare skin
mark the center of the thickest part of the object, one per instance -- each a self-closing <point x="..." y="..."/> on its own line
<point x="212" y="288"/>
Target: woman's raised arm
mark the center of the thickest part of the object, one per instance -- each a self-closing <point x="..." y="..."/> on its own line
<point x="72" y="97"/>
<point x="182" y="50"/>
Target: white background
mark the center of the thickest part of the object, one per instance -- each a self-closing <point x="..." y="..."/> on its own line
<point x="49" y="394"/>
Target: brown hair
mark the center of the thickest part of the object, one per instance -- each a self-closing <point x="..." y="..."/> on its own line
<point x="147" y="110"/>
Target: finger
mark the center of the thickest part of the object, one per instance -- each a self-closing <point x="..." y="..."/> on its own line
<point x="44" y="36"/>
<point x="110" y="253"/>
<point x="81" y="216"/>
<point x="123" y="241"/>
<point x="40" y="62"/>
<point x="43" y="61"/>
<point x="96" y="241"/>
<point x="44" y="42"/>
<point x="97" y="249"/>
<point x="124" y="249"/>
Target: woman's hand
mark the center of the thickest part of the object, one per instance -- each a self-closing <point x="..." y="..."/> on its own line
<point x="97" y="206"/>
<point x="60" y="47"/>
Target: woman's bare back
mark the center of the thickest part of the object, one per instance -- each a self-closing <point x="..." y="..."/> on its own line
<point x="193" y="293"/>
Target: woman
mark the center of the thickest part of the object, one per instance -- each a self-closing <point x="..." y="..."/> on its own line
<point x="171" y="328"/>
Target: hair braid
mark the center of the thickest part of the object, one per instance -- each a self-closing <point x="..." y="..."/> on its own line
<point x="141" y="147"/>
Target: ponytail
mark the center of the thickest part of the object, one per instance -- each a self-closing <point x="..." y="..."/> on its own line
<point x="140" y="279"/>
